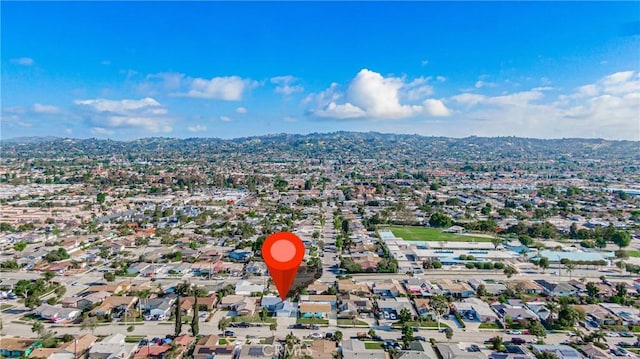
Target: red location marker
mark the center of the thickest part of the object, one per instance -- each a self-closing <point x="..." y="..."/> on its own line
<point x="283" y="253"/>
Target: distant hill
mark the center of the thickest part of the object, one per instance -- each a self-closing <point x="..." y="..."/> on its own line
<point x="336" y="145"/>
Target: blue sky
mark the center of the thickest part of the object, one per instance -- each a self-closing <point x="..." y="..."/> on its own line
<point x="127" y="70"/>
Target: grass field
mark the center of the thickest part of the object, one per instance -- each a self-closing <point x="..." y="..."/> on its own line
<point x="373" y="345"/>
<point x="633" y="253"/>
<point x="432" y="235"/>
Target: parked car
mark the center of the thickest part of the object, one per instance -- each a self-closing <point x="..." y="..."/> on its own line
<point x="626" y="334"/>
<point x="229" y="333"/>
<point x="612" y="334"/>
<point x="315" y="335"/>
<point x="518" y="341"/>
<point x="420" y="338"/>
<point x="474" y="348"/>
<point x="514" y="332"/>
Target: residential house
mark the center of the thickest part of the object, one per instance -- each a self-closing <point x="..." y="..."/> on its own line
<point x="350" y="286"/>
<point x="628" y="315"/>
<point x="314" y="309"/>
<point x="423" y="308"/>
<point x="159" y="308"/>
<point x="112" y="347"/>
<point x="256" y="268"/>
<point x="420" y="287"/>
<point x="456" y="289"/>
<point x="317" y="287"/>
<point x="593" y="352"/>
<point x="323" y="349"/>
<point x="561" y="351"/>
<point x="114" y="302"/>
<point x="453" y="350"/>
<point x="78" y="348"/>
<point x="258" y="351"/>
<point x="556" y="289"/>
<point x="515" y="312"/>
<point x="395" y="306"/>
<point x="245" y="288"/>
<point x="525" y="286"/>
<point x="240" y="255"/>
<point x="355" y="349"/>
<point x="204" y="303"/>
<point x="388" y="288"/>
<point x="540" y="310"/>
<point x="491" y="288"/>
<point x="17" y="347"/>
<point x="276" y="307"/>
<point x="209" y="347"/>
<point x="475" y="309"/>
<point x="598" y="313"/>
<point x="57" y="314"/>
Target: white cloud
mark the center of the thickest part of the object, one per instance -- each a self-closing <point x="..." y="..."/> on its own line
<point x="23" y="61"/>
<point x="68" y="131"/>
<point x="425" y="62"/>
<point x="285" y="85"/>
<point x="441" y="78"/>
<point x="225" y="119"/>
<point x="481" y="83"/>
<point x="147" y="114"/>
<point x="373" y="96"/>
<point x="105" y="62"/>
<point x="435" y="107"/>
<point x="230" y="88"/>
<point x="45" y="109"/>
<point x="241" y="110"/>
<point x="607" y="108"/>
<point x="331" y="94"/>
<point x="289" y="119"/>
<point x="197" y="128"/>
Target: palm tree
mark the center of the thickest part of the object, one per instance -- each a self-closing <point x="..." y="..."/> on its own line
<point x="570" y="267"/>
<point x="553" y="308"/>
<point x="598" y="335"/>
<point x="273" y="327"/>
<point x="337" y="336"/>
<point x="89" y="323"/>
<point x="440" y="306"/>
<point x="223" y="324"/>
<point x="497" y="342"/>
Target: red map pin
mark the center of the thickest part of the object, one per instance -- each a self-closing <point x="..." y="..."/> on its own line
<point x="283" y="252"/>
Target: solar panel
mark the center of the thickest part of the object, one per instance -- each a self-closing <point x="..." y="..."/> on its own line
<point x="256" y="351"/>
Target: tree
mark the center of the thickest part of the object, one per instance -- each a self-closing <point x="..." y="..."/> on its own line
<point x="223" y="324"/>
<point x="440" y="220"/>
<point x="404" y="316"/>
<point x="178" y="317"/>
<point x="109" y="276"/>
<point x="543" y="263"/>
<point x="621" y="238"/>
<point x="569" y="268"/>
<point x="481" y="290"/>
<point x="337" y="336"/>
<point x="37" y="327"/>
<point x="536" y="328"/>
<point x="273" y="327"/>
<point x="407" y="334"/>
<point x="592" y="289"/>
<point x="448" y="332"/>
<point x="31" y="301"/>
<point x="48" y="275"/>
<point x="553" y="309"/>
<point x="440" y="306"/>
<point x="509" y="271"/>
<point x="497" y="343"/>
<point x="20" y="246"/>
<point x="496" y="242"/>
<point x="195" y="328"/>
<point x="101" y="197"/>
<point x="90" y="323"/>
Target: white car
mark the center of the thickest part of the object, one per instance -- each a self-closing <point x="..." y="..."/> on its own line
<point x="315" y="335"/>
<point x="612" y="334"/>
<point x="513" y="332"/>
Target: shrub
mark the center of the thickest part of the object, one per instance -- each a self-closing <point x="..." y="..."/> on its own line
<point x="130" y="328"/>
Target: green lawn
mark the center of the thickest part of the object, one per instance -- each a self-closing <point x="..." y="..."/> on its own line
<point x="432" y="235"/>
<point x="349" y="322"/>
<point x="374" y="345"/>
<point x="312" y="321"/>
<point x="633" y="253"/>
<point x="5" y="307"/>
<point x="133" y="338"/>
<point x="494" y="325"/>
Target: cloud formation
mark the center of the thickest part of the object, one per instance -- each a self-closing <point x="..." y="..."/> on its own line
<point x="197" y="128"/>
<point x="107" y="115"/>
<point x="46" y="109"/>
<point x="373" y="96"/>
<point x="23" y="61"/>
<point x="225" y="88"/>
<point x="607" y="108"/>
<point x="285" y="85"/>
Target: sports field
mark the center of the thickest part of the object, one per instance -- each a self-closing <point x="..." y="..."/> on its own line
<point x="432" y="234"/>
